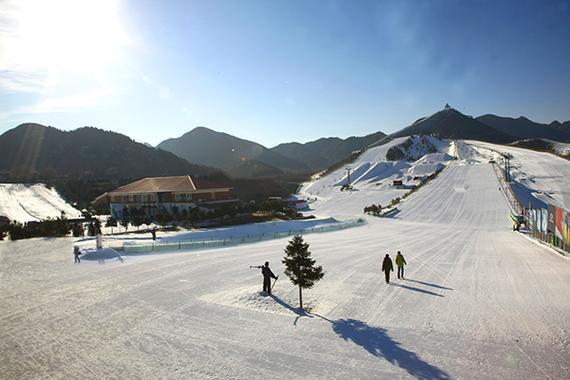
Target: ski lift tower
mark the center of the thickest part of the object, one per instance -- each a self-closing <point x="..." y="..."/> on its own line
<point x="348" y="175"/>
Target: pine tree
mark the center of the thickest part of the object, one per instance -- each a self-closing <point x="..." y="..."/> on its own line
<point x="300" y="267"/>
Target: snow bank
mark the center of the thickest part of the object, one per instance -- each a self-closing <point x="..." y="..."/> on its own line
<point x="104" y="254"/>
<point x="251" y="298"/>
<point x="33" y="202"/>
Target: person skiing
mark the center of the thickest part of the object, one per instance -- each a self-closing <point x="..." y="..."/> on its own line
<point x="400" y="262"/>
<point x="267" y="276"/>
<point x="387" y="267"/>
<point x="76" y="254"/>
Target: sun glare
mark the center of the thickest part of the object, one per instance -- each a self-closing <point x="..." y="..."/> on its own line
<point x="82" y="35"/>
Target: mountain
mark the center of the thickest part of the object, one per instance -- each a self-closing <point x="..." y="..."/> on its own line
<point x="452" y="124"/>
<point x="33" y="151"/>
<point x="322" y="153"/>
<point x="527" y="129"/>
<point x="229" y="153"/>
<point x="560" y="126"/>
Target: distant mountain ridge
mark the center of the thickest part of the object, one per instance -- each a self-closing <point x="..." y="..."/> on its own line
<point x="221" y="150"/>
<point x="322" y="153"/>
<point x="524" y="128"/>
<point x="449" y="123"/>
<point x="37" y="151"/>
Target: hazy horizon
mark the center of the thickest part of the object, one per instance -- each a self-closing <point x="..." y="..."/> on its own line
<point x="275" y="72"/>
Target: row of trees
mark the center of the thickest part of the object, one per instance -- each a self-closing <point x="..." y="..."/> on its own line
<point x="51" y="227"/>
<point x="162" y="216"/>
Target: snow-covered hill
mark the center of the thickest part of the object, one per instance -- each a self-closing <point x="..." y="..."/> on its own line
<point x="32" y="202"/>
<point x="538" y="178"/>
<point x="372" y="175"/>
<point x="479" y="302"/>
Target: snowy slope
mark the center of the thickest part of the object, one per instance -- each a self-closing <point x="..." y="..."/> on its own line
<point x="33" y="202"/>
<point x="479" y="302"/>
<point x="372" y="176"/>
<point x="560" y="148"/>
<point x="538" y="177"/>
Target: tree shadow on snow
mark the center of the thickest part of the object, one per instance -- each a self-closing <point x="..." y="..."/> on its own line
<point x="300" y="312"/>
<point x="416" y="289"/>
<point x="377" y="342"/>
<point x="429" y="284"/>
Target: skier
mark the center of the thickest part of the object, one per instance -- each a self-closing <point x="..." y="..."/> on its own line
<point x="400" y="262"/>
<point x="267" y="276"/>
<point x="76" y="254"/>
<point x="153" y="232"/>
<point x="387" y="267"/>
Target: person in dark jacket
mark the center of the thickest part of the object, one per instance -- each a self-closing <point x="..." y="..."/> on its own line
<point x="400" y="262"/>
<point x="267" y="276"/>
<point x="76" y="253"/>
<point x="387" y="267"/>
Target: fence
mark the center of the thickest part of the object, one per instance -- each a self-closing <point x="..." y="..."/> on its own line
<point x="507" y="190"/>
<point x="134" y="248"/>
<point x="551" y="225"/>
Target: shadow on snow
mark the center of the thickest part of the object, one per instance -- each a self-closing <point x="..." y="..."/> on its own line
<point x="376" y="341"/>
<point x="415" y="289"/>
<point x="429" y="284"/>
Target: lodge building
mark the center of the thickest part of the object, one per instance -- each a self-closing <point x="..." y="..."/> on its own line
<point x="168" y="193"/>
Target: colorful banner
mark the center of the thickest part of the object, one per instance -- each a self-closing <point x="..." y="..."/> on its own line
<point x="551" y="221"/>
<point x="563" y="225"/>
<point x="559" y="221"/>
<point x="543" y="220"/>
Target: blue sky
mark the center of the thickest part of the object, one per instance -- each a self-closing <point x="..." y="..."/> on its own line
<point x="278" y="71"/>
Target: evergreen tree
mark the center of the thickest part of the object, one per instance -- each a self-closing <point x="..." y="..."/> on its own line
<point x="300" y="267"/>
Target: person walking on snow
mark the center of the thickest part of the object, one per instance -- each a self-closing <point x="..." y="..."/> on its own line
<point x="400" y="262"/>
<point x="387" y="267"/>
<point x="76" y="254"/>
<point x="267" y="276"/>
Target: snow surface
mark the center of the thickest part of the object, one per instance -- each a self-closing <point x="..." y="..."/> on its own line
<point x="372" y="177"/>
<point x="104" y="254"/>
<point x="479" y="302"/>
<point x="222" y="233"/>
<point x="560" y="147"/>
<point x="538" y="178"/>
<point x="33" y="202"/>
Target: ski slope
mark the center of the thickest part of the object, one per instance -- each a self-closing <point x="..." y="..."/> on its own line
<point x="33" y="202"/>
<point x="539" y="178"/>
<point x="372" y="176"/>
<point x="479" y="302"/>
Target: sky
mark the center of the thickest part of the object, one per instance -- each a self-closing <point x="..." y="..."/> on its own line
<point x="278" y="71"/>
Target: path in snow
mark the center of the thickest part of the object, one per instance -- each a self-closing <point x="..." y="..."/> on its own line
<point x="480" y="302"/>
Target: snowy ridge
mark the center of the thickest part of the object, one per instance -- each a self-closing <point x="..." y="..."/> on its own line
<point x="33" y="202"/>
<point x="372" y="175"/>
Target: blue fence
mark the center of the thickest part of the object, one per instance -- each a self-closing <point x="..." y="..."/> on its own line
<point x="136" y="248"/>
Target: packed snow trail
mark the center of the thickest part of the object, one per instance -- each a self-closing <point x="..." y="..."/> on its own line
<point x="479" y="302"/>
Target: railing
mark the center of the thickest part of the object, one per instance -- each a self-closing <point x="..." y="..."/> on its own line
<point x="135" y="248"/>
<point x="556" y="233"/>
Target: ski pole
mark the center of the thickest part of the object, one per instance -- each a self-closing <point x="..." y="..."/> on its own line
<point x="274" y="282"/>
